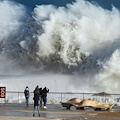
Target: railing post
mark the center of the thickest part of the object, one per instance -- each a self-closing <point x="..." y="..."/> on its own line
<point x="18" y="97"/>
<point x="83" y="96"/>
<point x="5" y="98"/>
<point x="61" y="97"/>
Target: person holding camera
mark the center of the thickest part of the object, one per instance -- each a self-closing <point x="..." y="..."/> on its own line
<point x="44" y="96"/>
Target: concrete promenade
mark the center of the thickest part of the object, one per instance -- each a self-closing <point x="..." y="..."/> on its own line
<point x="54" y="112"/>
<point x="20" y="112"/>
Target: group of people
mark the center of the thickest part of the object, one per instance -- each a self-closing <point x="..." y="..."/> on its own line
<point x="39" y="96"/>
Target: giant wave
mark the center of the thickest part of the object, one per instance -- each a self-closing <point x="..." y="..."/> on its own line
<point x="80" y="39"/>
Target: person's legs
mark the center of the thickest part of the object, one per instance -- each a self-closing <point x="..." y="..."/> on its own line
<point x="45" y="101"/>
<point x="34" y="111"/>
<point x="40" y="101"/>
<point x="27" y="101"/>
<point x="38" y="110"/>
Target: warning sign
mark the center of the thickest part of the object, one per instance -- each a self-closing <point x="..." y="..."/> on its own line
<point x="2" y="92"/>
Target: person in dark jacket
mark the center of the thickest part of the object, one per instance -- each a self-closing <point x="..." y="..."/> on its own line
<point x="26" y="92"/>
<point x="36" y="100"/>
<point x="44" y="96"/>
<point x="40" y="90"/>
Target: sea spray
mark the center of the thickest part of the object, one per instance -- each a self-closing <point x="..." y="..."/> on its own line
<point x="78" y="40"/>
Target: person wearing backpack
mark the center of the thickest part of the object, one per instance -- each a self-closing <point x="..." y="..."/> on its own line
<point x="27" y="94"/>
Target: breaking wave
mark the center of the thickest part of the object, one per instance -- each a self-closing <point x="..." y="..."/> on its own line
<point x="82" y="38"/>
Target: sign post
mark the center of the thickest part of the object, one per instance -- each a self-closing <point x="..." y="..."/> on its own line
<point x="3" y="92"/>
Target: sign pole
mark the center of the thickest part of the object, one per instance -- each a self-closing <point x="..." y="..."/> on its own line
<point x="3" y="93"/>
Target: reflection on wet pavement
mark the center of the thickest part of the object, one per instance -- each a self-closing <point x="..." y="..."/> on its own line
<point x="57" y="111"/>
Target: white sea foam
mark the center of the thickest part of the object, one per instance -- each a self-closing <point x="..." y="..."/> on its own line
<point x="81" y="39"/>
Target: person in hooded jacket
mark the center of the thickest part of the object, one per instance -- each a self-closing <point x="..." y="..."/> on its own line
<point x="36" y="100"/>
<point x="26" y="92"/>
<point x="44" y="96"/>
<point x="40" y="90"/>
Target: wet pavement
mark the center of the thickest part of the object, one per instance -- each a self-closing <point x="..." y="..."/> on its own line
<point x="55" y="111"/>
<point x="22" y="111"/>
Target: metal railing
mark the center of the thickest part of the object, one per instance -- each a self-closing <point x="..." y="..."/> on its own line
<point x="57" y="97"/>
